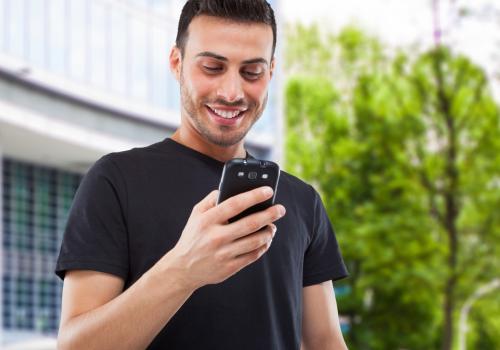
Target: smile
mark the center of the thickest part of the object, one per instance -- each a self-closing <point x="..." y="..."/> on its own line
<point x="226" y="114"/>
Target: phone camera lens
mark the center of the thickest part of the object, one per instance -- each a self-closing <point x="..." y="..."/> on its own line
<point x="252" y="175"/>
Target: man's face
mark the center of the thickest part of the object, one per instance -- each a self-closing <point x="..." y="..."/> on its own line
<point x="224" y="77"/>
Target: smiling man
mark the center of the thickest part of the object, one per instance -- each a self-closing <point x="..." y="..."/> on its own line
<point x="148" y="259"/>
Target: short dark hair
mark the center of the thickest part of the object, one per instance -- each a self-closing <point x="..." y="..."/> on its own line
<point x="258" y="11"/>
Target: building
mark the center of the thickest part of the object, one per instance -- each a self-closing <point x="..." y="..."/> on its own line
<point x="78" y="79"/>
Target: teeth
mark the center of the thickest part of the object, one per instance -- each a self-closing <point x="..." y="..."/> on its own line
<point x="226" y="114"/>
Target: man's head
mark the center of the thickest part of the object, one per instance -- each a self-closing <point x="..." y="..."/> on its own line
<point x="249" y="11"/>
<point x="223" y="60"/>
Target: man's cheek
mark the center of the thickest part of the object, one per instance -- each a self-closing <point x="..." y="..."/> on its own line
<point x="258" y="91"/>
<point x="203" y="88"/>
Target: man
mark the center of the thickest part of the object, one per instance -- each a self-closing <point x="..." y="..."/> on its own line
<point x="149" y="260"/>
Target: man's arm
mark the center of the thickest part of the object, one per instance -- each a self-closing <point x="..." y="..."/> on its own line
<point x="97" y="315"/>
<point x="320" y="320"/>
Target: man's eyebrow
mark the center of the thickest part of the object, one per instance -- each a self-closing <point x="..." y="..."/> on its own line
<point x="256" y="60"/>
<point x="222" y="58"/>
<point x="213" y="55"/>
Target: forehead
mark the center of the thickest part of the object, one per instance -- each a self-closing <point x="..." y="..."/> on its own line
<point x="234" y="40"/>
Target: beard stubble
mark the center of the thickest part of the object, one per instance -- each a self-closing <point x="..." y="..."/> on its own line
<point x="224" y="136"/>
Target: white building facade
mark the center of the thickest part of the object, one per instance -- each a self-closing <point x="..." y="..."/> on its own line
<point x="78" y="79"/>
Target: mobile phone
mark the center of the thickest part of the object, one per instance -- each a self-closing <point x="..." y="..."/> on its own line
<point x="241" y="175"/>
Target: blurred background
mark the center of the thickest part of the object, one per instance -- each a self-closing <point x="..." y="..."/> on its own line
<point x="389" y="108"/>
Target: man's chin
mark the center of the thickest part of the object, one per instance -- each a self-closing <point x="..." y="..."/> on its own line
<point x="225" y="140"/>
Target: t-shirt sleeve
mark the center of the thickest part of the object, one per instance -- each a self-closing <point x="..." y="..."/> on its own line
<point x="95" y="237"/>
<point x="322" y="260"/>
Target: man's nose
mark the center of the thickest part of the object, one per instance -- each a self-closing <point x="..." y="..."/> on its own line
<point x="230" y="89"/>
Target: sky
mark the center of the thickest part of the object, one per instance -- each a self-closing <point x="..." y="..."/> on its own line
<point x="381" y="17"/>
<point x="406" y="22"/>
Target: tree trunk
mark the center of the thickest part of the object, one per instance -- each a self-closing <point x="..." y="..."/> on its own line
<point x="451" y="204"/>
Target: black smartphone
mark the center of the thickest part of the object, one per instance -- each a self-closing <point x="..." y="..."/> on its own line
<point x="242" y="175"/>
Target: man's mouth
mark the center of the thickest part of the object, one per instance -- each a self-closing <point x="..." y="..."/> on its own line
<point x="227" y="113"/>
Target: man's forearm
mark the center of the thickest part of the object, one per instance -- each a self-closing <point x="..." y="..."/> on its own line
<point x="132" y="319"/>
<point x="324" y="343"/>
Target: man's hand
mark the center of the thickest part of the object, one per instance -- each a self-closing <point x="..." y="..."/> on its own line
<point x="211" y="250"/>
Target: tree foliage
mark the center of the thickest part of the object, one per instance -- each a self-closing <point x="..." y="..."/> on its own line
<point x="405" y="150"/>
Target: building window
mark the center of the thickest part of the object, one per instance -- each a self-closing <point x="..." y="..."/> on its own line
<point x="15" y="16"/>
<point x="78" y="40"/>
<point x="57" y="36"/>
<point x="36" y="203"/>
<point x="36" y="31"/>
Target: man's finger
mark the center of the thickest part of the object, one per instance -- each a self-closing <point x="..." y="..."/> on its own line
<point x="237" y="204"/>
<point x="208" y="202"/>
<point x="254" y="222"/>
<point x="251" y="242"/>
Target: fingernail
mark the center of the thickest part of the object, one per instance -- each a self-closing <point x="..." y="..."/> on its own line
<point x="282" y="210"/>
<point x="267" y="191"/>
<point x="274" y="230"/>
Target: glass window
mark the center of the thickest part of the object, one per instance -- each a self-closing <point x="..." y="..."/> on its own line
<point x="35" y="200"/>
<point x="36" y="33"/>
<point x="78" y="38"/>
<point x="139" y="2"/>
<point x="57" y="36"/>
<point x="3" y="24"/>
<point x="160" y="65"/>
<point x="139" y="59"/>
<point x="175" y="9"/>
<point x="16" y="28"/>
<point x="173" y="94"/>
<point x="99" y="33"/>
<point x="119" y="54"/>
<point x="161" y="7"/>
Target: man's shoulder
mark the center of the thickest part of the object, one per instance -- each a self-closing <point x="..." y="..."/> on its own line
<point x="136" y="152"/>
<point x="127" y="161"/>
<point x="297" y="185"/>
<point x="133" y="156"/>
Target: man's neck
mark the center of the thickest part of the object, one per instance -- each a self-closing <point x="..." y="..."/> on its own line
<point x="198" y="143"/>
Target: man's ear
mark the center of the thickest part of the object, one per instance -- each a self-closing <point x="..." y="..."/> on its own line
<point x="175" y="62"/>
<point x="271" y="70"/>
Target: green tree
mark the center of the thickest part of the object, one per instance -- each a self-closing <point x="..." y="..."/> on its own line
<point x="484" y="334"/>
<point x="405" y="152"/>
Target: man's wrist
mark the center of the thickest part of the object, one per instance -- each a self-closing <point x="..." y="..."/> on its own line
<point x="170" y="274"/>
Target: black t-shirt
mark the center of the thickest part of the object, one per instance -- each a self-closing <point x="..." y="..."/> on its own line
<point x="131" y="208"/>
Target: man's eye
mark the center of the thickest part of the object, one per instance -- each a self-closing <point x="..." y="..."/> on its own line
<point x="212" y="69"/>
<point x="252" y="75"/>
